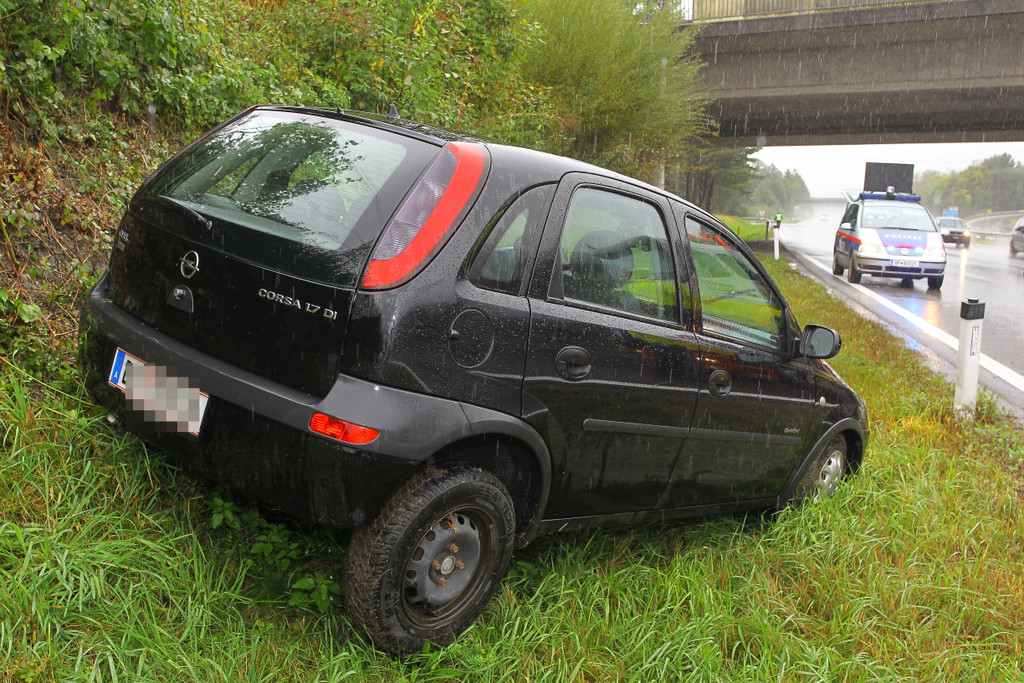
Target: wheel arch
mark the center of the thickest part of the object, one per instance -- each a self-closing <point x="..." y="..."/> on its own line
<point x="519" y="468"/>
<point x="851" y="431"/>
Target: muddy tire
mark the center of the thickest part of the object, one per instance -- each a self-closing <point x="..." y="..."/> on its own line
<point x="822" y="478"/>
<point x="936" y="282"/>
<point x="427" y="566"/>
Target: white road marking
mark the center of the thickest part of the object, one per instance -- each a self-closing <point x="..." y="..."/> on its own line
<point x="987" y="362"/>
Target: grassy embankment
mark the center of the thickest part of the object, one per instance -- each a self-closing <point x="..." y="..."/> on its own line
<point x="114" y="565"/>
<point x="750" y="232"/>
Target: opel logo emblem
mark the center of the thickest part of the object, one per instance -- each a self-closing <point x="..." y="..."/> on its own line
<point x="189" y="264"/>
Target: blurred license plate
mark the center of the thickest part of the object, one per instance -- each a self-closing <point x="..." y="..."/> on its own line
<point x="903" y="263"/>
<point x="163" y="399"/>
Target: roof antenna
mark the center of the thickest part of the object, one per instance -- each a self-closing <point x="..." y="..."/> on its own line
<point x="393" y="113"/>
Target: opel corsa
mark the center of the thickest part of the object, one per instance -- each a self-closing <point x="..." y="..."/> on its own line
<point x="450" y="347"/>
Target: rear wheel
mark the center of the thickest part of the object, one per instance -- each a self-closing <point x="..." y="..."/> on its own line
<point x="429" y="563"/>
<point x="837" y="269"/>
<point x="936" y="282"/>
<point x="854" y="274"/>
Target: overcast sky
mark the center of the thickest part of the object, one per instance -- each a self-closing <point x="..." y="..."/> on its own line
<point x="828" y="170"/>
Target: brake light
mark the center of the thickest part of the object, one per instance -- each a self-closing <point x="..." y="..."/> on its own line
<point x="341" y="430"/>
<point x="428" y="216"/>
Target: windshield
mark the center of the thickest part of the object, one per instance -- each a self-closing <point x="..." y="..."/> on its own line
<point x="295" y="192"/>
<point x="910" y="217"/>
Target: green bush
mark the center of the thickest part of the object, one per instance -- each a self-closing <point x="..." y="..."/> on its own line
<point x="196" y="63"/>
<point x="193" y="63"/>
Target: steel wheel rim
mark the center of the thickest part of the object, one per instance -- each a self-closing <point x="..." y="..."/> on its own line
<point x="831" y="473"/>
<point x="446" y="570"/>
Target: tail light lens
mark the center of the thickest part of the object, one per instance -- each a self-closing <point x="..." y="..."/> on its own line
<point x="341" y="430"/>
<point x="428" y="216"/>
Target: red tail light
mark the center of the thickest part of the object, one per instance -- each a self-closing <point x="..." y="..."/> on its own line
<point x="341" y="430"/>
<point x="428" y="216"/>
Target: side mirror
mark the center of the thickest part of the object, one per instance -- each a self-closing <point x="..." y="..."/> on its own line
<point x="846" y="226"/>
<point x="820" y="342"/>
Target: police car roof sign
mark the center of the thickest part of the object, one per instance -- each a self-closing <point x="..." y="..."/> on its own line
<point x="878" y="177"/>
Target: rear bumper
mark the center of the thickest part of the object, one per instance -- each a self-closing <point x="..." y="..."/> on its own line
<point x="255" y="436"/>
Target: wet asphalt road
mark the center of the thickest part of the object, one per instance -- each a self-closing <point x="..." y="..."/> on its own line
<point x="985" y="271"/>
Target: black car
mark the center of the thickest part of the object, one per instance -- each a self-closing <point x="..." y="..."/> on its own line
<point x="955" y="231"/>
<point x="451" y="346"/>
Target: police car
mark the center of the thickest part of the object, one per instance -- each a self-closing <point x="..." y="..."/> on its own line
<point x="889" y="234"/>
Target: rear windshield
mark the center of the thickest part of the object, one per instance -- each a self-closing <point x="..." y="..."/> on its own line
<point x="290" y="191"/>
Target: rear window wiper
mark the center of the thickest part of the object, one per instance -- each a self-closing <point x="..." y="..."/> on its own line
<point x="181" y="209"/>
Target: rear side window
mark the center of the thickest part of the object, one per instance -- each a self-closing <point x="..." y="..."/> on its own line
<point x="614" y="252"/>
<point x="295" y="192"/>
<point x="501" y="260"/>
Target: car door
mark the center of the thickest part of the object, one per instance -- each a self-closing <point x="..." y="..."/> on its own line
<point x="847" y="238"/>
<point x="753" y="421"/>
<point x="612" y="362"/>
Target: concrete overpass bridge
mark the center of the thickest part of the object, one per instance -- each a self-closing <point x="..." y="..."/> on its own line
<point x="802" y="72"/>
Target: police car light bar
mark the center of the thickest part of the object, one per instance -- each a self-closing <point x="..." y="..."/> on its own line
<point x="891" y="195"/>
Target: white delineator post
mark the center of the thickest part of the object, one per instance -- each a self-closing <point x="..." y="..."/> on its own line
<point x="778" y="228"/>
<point x="968" y="355"/>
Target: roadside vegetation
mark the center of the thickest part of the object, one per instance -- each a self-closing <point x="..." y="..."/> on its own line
<point x="993" y="185"/>
<point x="116" y="565"/>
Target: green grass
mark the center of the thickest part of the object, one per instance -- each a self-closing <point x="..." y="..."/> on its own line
<point x="747" y="232"/>
<point x="111" y="568"/>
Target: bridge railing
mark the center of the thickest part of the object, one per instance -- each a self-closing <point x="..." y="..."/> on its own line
<point x="718" y="10"/>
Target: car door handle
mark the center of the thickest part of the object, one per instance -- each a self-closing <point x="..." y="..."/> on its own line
<point x="573" y="362"/>
<point x="720" y="383"/>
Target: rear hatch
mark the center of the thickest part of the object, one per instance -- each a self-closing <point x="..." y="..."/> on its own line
<point x="249" y="245"/>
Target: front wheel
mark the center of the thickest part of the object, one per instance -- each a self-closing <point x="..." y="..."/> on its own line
<point x="823" y="477"/>
<point x="427" y="566"/>
<point x="837" y="268"/>
<point x="854" y="275"/>
<point x="935" y="282"/>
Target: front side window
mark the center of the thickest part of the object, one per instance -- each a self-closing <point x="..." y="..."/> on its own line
<point x="736" y="299"/>
<point x="851" y="215"/>
<point x="614" y="252"/>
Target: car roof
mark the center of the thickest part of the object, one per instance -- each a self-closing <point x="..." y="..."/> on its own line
<point x="546" y="167"/>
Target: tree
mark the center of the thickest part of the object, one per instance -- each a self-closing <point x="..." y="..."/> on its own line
<point x="775" y="190"/>
<point x="995" y="184"/>
<point x="622" y="81"/>
<point x="716" y="179"/>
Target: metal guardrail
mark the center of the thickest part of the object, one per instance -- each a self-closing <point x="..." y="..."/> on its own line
<point x="720" y="10"/>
